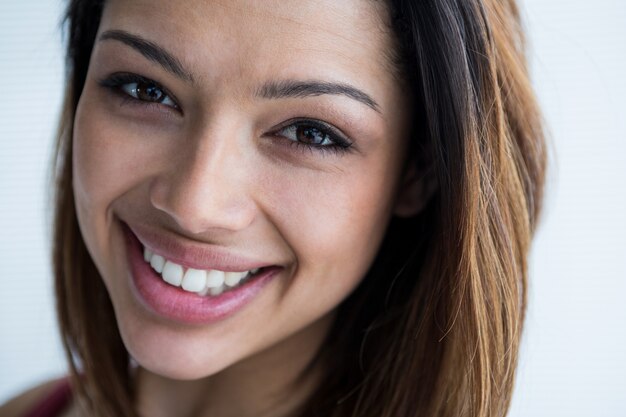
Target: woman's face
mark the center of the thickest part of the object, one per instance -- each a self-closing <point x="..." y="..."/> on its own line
<point x="253" y="151"/>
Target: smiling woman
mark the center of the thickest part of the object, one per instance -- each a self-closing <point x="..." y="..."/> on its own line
<point x="294" y="208"/>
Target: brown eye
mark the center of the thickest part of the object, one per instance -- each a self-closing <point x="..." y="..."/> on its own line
<point x="313" y="134"/>
<point x="148" y="92"/>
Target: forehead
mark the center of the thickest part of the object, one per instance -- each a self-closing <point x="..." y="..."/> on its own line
<point x="327" y="39"/>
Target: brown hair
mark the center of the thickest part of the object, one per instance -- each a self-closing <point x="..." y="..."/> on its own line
<point x="439" y="334"/>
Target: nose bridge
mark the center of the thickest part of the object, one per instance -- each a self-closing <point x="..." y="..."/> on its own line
<point x="204" y="186"/>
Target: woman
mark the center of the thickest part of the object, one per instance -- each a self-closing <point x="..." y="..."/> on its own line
<point x="295" y="208"/>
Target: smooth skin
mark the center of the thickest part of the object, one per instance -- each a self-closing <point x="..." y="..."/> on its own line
<point x="217" y="163"/>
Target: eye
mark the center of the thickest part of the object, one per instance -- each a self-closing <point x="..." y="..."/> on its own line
<point x="147" y="92"/>
<point x="314" y="134"/>
<point x="139" y="88"/>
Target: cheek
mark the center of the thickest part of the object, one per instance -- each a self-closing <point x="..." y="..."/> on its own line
<point x="92" y="162"/>
<point x="107" y="163"/>
<point x="111" y="155"/>
<point x="335" y="221"/>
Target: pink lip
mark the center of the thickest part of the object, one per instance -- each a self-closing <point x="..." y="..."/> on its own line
<point x="178" y="305"/>
<point x="193" y="255"/>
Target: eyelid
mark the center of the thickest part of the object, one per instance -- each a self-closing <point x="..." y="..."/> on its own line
<point x="340" y="139"/>
<point x="115" y="80"/>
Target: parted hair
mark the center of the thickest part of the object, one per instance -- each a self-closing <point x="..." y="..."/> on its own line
<point x="434" y="328"/>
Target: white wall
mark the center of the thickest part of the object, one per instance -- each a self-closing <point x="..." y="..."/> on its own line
<point x="31" y="77"/>
<point x="574" y="356"/>
<point x="573" y="359"/>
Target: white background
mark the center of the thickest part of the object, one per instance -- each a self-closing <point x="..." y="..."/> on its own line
<point x="574" y="351"/>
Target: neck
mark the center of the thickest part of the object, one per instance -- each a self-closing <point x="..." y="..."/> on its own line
<point x="275" y="382"/>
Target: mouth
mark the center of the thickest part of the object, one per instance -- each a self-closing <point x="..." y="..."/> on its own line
<point x="204" y="282"/>
<point x="188" y="284"/>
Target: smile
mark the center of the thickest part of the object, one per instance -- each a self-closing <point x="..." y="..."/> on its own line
<point x="189" y="283"/>
<point x="199" y="281"/>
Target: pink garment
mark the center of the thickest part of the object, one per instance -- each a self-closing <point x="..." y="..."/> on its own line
<point x="53" y="404"/>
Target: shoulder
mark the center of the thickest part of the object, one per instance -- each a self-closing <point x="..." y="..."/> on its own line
<point x="21" y="404"/>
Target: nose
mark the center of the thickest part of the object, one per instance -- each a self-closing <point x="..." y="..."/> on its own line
<point x="204" y="188"/>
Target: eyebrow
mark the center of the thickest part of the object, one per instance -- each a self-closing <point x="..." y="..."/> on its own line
<point x="150" y="50"/>
<point x="300" y="89"/>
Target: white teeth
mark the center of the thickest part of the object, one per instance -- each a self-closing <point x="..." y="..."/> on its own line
<point x="173" y="273"/>
<point x="203" y="292"/>
<point x="157" y="262"/>
<point x="214" y="278"/>
<point x="194" y="280"/>
<point x="232" y="278"/>
<point x="198" y="281"/>
<point x="216" y="291"/>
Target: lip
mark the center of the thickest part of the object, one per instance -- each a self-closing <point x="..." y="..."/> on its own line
<point x="193" y="255"/>
<point x="178" y="305"/>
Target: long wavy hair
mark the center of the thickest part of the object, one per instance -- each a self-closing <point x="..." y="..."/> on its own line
<point x="434" y="328"/>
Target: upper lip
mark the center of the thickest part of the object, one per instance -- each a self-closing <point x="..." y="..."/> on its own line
<point x="190" y="254"/>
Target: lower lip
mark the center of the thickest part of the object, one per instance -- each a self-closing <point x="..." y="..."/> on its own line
<point x="178" y="305"/>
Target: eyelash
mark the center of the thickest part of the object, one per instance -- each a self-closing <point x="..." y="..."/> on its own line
<point x="339" y="143"/>
<point x="117" y="81"/>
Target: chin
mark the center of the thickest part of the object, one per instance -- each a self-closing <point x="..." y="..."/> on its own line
<point x="171" y="351"/>
<point x="179" y="357"/>
<point x="179" y="370"/>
